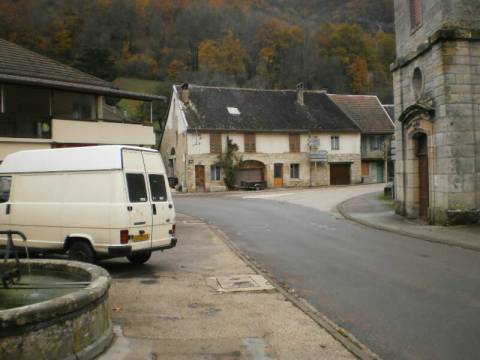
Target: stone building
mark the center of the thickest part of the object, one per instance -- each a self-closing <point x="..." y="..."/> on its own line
<point x="437" y="106"/>
<point x="45" y="104"/>
<point x="285" y="138"/>
<point x="377" y="130"/>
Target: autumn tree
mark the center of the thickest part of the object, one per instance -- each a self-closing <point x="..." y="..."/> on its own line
<point x="226" y="56"/>
<point x="176" y="69"/>
<point x="340" y="45"/>
<point x="357" y="71"/>
<point x="280" y="50"/>
<point x="98" y="62"/>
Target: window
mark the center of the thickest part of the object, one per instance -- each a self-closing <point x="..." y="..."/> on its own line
<point x="137" y="191"/>
<point x="215" y="143"/>
<point x="375" y="143"/>
<point x="215" y="173"/>
<point x="157" y="187"/>
<point x="364" y="143"/>
<point x="26" y="112"/>
<point x="415" y="14"/>
<point x="5" y="184"/>
<point x="335" y="142"/>
<point x="294" y="140"/>
<point x="295" y="171"/>
<point x="250" y="145"/>
<point x="74" y="106"/>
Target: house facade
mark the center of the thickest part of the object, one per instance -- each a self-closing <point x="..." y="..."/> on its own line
<point x="377" y="130"/>
<point x="45" y="104"/>
<point x="285" y="138"/>
<point x="437" y="108"/>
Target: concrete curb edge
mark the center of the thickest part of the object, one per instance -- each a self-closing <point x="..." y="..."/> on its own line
<point x="349" y="341"/>
<point x="346" y="215"/>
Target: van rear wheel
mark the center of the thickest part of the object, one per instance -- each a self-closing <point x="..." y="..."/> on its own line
<point x="81" y="251"/>
<point x="139" y="258"/>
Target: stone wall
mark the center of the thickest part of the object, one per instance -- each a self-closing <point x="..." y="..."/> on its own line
<point x="451" y="85"/>
<point x="310" y="175"/>
<point x="436" y="14"/>
<point x="372" y="177"/>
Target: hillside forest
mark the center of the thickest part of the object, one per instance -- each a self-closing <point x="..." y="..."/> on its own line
<point x="343" y="46"/>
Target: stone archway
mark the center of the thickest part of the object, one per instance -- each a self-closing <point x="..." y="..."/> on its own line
<point x="415" y="177"/>
<point x="250" y="171"/>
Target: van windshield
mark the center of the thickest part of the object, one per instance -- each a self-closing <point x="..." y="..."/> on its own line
<point x="5" y="184"/>
<point x="157" y="187"/>
<point x="137" y="191"/>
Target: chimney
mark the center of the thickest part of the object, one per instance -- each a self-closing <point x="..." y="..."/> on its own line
<point x="300" y="94"/>
<point x="184" y="93"/>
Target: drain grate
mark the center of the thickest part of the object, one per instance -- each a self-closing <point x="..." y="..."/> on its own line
<point x="235" y="283"/>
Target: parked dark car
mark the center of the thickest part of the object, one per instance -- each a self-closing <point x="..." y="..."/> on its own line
<point x="172" y="181"/>
<point x="253" y="185"/>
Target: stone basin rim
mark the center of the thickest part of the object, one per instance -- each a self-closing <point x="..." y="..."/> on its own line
<point x="44" y="311"/>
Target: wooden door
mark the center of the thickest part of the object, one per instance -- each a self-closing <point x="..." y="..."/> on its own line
<point x="278" y="175"/>
<point x="339" y="174"/>
<point x="200" y="177"/>
<point x="423" y="185"/>
<point x="380" y="172"/>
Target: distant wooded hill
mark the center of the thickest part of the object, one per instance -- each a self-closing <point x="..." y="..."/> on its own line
<point x="344" y="46"/>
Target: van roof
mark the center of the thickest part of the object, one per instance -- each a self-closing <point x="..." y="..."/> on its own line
<point x="86" y="158"/>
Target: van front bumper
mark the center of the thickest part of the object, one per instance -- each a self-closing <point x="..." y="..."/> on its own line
<point x="121" y="251"/>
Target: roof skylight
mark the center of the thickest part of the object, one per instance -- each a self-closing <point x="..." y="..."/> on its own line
<point x="233" y="110"/>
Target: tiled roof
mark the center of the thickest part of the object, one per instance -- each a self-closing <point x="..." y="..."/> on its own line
<point x="390" y="109"/>
<point x="16" y="60"/>
<point x="21" y="66"/>
<point x="263" y="110"/>
<point x="366" y="111"/>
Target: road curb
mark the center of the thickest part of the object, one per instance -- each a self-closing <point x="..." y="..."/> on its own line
<point x="348" y="216"/>
<point x="352" y="344"/>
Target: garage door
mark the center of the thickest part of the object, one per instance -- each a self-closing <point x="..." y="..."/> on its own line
<point x="249" y="175"/>
<point x="339" y="174"/>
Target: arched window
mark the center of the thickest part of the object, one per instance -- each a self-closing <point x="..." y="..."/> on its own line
<point x="172" y="151"/>
<point x="415" y="14"/>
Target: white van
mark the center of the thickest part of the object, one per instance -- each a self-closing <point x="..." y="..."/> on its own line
<point x="90" y="202"/>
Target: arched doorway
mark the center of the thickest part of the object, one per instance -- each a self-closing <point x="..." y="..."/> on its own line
<point x="421" y="144"/>
<point x="250" y="171"/>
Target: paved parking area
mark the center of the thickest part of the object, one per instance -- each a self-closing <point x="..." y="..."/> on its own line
<point x="166" y="310"/>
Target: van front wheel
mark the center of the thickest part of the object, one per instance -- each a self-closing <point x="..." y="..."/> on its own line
<point x="139" y="258"/>
<point x="81" y="251"/>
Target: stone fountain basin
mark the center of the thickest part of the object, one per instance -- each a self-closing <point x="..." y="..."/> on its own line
<point x="77" y="325"/>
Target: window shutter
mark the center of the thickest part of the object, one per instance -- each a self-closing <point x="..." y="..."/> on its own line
<point x="294" y="140"/>
<point x="215" y="143"/>
<point x="250" y="145"/>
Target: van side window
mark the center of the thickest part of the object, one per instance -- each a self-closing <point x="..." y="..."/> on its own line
<point x="157" y="187"/>
<point x="137" y="191"/>
<point x="5" y="184"/>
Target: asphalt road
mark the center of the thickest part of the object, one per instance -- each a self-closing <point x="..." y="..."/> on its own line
<point x="404" y="298"/>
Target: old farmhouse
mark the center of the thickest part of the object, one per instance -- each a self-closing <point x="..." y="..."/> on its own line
<point x="46" y="104"/>
<point x="285" y="138"/>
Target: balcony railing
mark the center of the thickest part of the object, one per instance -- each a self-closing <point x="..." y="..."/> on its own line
<point x="373" y="154"/>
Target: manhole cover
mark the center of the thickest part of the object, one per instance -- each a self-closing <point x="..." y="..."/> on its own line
<point x="239" y="283"/>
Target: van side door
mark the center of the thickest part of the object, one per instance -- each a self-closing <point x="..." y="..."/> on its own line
<point x="138" y="203"/>
<point x="5" y="188"/>
<point x="163" y="212"/>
